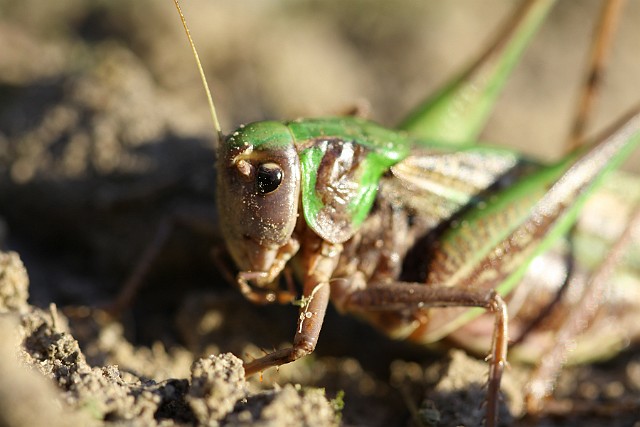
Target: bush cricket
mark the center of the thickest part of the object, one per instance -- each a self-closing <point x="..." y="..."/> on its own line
<point x="419" y="230"/>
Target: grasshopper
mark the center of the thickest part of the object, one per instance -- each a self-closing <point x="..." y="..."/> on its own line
<point x="417" y="230"/>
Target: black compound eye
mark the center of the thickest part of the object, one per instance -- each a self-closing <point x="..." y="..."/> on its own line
<point x="268" y="178"/>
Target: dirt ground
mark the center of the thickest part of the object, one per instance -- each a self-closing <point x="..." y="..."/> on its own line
<point x="105" y="138"/>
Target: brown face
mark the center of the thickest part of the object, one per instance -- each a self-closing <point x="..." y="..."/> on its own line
<point x="258" y="174"/>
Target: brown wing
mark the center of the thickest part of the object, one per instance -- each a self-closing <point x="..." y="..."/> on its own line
<point x="436" y="185"/>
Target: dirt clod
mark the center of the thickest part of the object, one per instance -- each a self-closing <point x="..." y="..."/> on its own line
<point x="52" y="365"/>
<point x="286" y="406"/>
<point x="217" y="383"/>
<point x="14" y="283"/>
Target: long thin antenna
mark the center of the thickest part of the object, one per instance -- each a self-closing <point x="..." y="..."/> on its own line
<point x="212" y="108"/>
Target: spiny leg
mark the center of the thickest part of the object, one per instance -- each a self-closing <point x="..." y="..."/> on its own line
<point x="402" y="295"/>
<point x="321" y="258"/>
<point x="543" y="379"/>
<point x="592" y="82"/>
<point x="542" y="382"/>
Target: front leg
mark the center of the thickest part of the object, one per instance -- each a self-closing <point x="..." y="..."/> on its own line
<point x="320" y="259"/>
<point x="400" y="296"/>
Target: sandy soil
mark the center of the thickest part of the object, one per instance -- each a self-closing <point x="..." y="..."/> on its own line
<point x="105" y="137"/>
